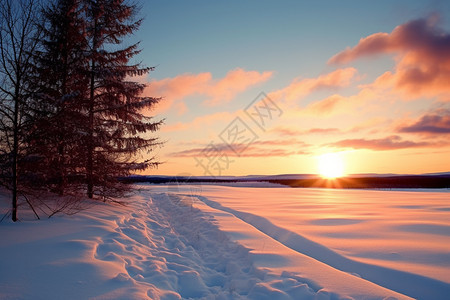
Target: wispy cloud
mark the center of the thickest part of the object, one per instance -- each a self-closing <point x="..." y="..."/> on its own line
<point x="423" y="57"/>
<point x="265" y="148"/>
<point x="389" y="143"/>
<point x="217" y="91"/>
<point x="301" y="87"/>
<point x="201" y="121"/>
<point x="327" y="105"/>
<point x="247" y="152"/>
<point x="368" y="125"/>
<point x="235" y="82"/>
<point x="285" y="131"/>
<point x="336" y="104"/>
<point x="323" y="131"/>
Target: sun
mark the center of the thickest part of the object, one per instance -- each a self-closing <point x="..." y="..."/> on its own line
<point x="331" y="165"/>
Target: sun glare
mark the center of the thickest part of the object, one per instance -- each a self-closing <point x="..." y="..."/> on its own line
<point x="331" y="165"/>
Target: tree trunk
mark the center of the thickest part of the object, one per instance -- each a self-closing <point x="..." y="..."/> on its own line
<point x="15" y="152"/>
<point x="14" y="187"/>
<point x="90" y="158"/>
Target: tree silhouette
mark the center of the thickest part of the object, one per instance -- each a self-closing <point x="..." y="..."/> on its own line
<point x="72" y="118"/>
<point x="19" y="35"/>
<point x="116" y="125"/>
<point x="61" y="84"/>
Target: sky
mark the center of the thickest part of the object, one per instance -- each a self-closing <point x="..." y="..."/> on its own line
<point x="271" y="87"/>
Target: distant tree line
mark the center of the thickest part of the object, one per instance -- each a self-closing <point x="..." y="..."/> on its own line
<point x="71" y="117"/>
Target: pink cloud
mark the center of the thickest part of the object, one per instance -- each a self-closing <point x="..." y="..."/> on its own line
<point x="374" y="44"/>
<point x="247" y="152"/>
<point x="423" y="61"/>
<point x="435" y="123"/>
<point x="285" y="131"/>
<point x="324" y="130"/>
<point x="200" y="122"/>
<point x="301" y="87"/>
<point x="267" y="148"/>
<point x="235" y="82"/>
<point x="175" y="90"/>
<point x="327" y="105"/>
<point x="336" y="104"/>
<point x="370" y="125"/>
<point x="367" y="125"/>
<point x="389" y="143"/>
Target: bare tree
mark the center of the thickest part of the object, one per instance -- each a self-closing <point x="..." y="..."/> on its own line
<point x="18" y="40"/>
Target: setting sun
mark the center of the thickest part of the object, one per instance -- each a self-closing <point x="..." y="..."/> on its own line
<point x="331" y="165"/>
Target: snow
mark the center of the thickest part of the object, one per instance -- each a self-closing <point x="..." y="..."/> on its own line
<point x="223" y="242"/>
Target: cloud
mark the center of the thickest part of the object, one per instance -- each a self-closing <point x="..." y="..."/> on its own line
<point x="423" y="57"/>
<point x="374" y="44"/>
<point x="235" y="82"/>
<point x="389" y="143"/>
<point x="367" y="125"/>
<point x="371" y="125"/>
<point x="288" y="143"/>
<point x="327" y="105"/>
<point x="324" y="130"/>
<point x="433" y="123"/>
<point x="336" y="104"/>
<point x="247" y="152"/>
<point x="266" y="148"/>
<point x="176" y="89"/>
<point x="200" y="122"/>
<point x="301" y="87"/>
<point x="284" y="131"/>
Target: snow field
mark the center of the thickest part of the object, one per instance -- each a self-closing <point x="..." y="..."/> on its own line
<point x="159" y="247"/>
<point x="216" y="242"/>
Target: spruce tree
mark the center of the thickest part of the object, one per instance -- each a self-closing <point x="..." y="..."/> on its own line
<point x="117" y="131"/>
<point x="61" y="84"/>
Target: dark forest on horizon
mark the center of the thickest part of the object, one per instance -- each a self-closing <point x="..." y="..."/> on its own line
<point x="441" y="181"/>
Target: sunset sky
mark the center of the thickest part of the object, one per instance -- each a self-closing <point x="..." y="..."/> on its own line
<point x="267" y="87"/>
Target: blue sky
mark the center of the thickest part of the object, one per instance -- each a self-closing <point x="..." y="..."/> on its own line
<point x="273" y="44"/>
<point x="292" y="36"/>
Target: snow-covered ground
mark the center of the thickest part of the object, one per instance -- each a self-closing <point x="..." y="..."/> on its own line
<point x="221" y="242"/>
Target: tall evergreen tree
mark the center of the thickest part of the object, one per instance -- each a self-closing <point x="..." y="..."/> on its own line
<point x="117" y="129"/>
<point x="62" y="82"/>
